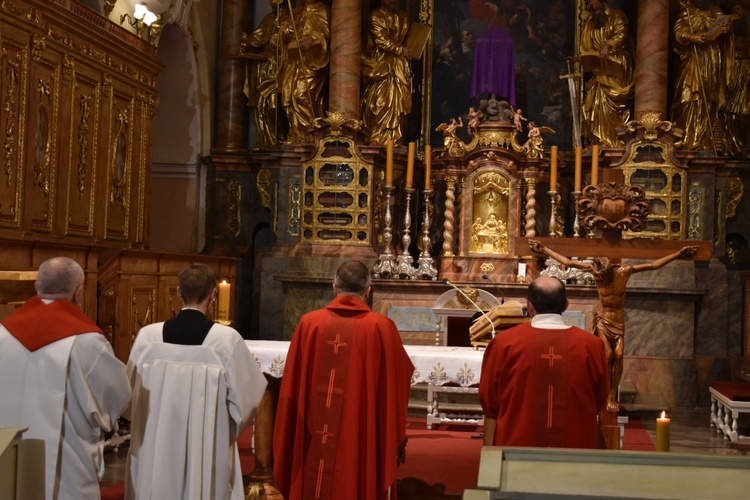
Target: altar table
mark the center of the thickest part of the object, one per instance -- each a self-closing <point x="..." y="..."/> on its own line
<point x="446" y="369"/>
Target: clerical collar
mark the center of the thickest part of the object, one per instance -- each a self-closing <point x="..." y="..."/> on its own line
<point x="549" y="322"/>
<point x="191" y="309"/>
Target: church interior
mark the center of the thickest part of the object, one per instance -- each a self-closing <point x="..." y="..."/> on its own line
<point x="195" y="132"/>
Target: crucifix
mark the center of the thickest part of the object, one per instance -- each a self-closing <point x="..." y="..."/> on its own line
<point x="613" y="208"/>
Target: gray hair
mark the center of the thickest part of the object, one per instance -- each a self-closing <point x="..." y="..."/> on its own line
<point x="58" y="278"/>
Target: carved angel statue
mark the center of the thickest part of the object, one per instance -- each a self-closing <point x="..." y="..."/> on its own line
<point x="518" y="118"/>
<point x="533" y="145"/>
<point x="473" y="120"/>
<point x="452" y="145"/>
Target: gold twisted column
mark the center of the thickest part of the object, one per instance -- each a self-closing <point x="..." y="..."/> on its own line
<point x="530" y="224"/>
<point x="448" y="226"/>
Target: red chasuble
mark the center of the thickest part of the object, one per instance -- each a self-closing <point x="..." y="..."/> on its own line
<point x="544" y="387"/>
<point x="343" y="403"/>
<point x="36" y="324"/>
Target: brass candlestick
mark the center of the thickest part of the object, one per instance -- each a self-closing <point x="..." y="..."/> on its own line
<point x="404" y="267"/>
<point x="385" y="267"/>
<point x="426" y="269"/>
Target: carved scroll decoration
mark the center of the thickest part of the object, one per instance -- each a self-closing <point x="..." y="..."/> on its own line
<point x="295" y="205"/>
<point x="42" y="145"/>
<point x="234" y="203"/>
<point x="10" y="106"/>
<point x="696" y="201"/>
<point x="83" y="142"/>
<point x="613" y="207"/>
<point x="263" y="184"/>
<point x="735" y="190"/>
<point x="120" y="156"/>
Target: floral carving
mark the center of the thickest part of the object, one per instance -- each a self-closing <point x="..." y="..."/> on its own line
<point x="613" y="207"/>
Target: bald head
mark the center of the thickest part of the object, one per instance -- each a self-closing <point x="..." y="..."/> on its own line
<point x="547" y="295"/>
<point x="60" y="278"/>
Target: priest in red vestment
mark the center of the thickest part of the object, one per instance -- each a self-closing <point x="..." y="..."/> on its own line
<point x="545" y="382"/>
<point x="341" y="417"/>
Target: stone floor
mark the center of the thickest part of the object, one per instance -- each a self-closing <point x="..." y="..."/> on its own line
<point x="690" y="433"/>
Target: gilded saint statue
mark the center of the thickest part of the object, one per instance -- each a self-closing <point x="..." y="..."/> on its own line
<point x="702" y="43"/>
<point x="261" y="48"/>
<point x="611" y="279"/>
<point x="386" y="75"/>
<point x="736" y="115"/>
<point x="303" y="68"/>
<point x="606" y="50"/>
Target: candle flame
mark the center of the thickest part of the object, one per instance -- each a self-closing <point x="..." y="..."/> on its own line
<point x="663" y="415"/>
<point x="224" y="282"/>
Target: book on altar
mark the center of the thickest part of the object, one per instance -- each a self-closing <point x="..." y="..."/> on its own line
<point x="416" y="39"/>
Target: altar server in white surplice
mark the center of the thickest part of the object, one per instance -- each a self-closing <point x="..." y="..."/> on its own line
<point x="196" y="387"/>
<point x="60" y="378"/>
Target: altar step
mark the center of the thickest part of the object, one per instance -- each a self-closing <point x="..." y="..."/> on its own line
<point x="449" y="403"/>
<point x="641" y="403"/>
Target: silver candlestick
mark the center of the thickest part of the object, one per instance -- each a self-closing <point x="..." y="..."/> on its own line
<point x="576" y="221"/>
<point x="426" y="269"/>
<point x="553" y="212"/>
<point x="405" y="262"/>
<point x="385" y="267"/>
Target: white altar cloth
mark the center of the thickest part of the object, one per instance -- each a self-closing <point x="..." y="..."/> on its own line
<point x="438" y="365"/>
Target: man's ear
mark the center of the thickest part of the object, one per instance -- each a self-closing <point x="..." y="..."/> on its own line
<point x="567" y="304"/>
<point x="367" y="293"/>
<point x="78" y="295"/>
<point x="335" y="290"/>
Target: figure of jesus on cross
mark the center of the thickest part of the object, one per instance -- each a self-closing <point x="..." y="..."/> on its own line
<point x="611" y="277"/>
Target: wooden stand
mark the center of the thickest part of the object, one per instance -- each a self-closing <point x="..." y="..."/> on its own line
<point x="504" y="316"/>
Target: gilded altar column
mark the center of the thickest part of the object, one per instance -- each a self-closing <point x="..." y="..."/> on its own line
<point x="231" y="109"/>
<point x="346" y="42"/>
<point x="651" y="57"/>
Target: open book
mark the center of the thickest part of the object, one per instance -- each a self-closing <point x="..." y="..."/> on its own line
<point x="716" y="30"/>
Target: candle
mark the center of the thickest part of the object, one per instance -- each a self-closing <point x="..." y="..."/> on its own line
<point x="389" y="164"/>
<point x="410" y="165"/>
<point x="427" y="166"/>
<point x="595" y="165"/>
<point x="662" y="433"/>
<point x="553" y="169"/>
<point x="521" y="269"/>
<point x="224" y="290"/>
<point x="579" y="160"/>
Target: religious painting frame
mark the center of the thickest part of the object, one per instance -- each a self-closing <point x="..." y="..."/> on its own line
<point x="544" y="32"/>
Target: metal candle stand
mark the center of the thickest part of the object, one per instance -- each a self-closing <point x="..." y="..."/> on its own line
<point x="426" y="269"/>
<point x="385" y="267"/>
<point x="405" y="262"/>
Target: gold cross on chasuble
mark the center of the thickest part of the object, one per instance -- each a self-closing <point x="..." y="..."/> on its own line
<point x="551" y="376"/>
<point x="325" y="404"/>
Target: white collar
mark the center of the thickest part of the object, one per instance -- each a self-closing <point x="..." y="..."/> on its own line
<point x="549" y="322"/>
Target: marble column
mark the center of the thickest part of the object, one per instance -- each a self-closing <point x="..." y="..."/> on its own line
<point x="346" y="42"/>
<point x="231" y="106"/>
<point x="651" y="55"/>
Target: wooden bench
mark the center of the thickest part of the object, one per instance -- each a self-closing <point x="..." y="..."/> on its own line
<point x="728" y="400"/>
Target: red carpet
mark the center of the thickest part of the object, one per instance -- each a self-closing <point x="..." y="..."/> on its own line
<point x="445" y="458"/>
<point x="636" y="436"/>
<point x="447" y="455"/>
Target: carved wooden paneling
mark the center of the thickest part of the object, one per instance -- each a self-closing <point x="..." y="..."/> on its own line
<point x="140" y="287"/>
<point x="82" y="148"/>
<point x="42" y="136"/>
<point x="14" y="55"/>
<point x="77" y="101"/>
